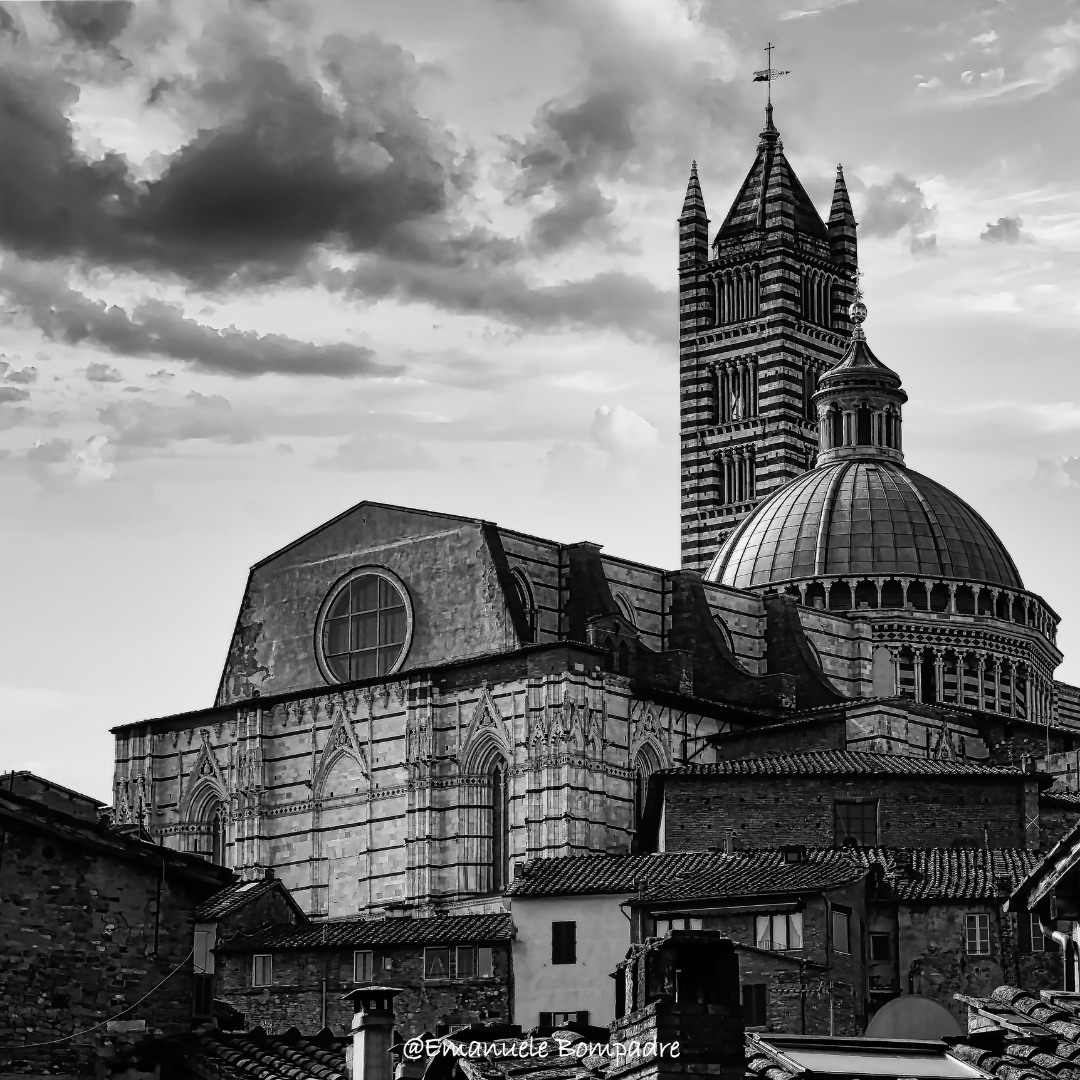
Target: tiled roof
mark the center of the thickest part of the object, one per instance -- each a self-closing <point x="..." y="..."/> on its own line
<point x="237" y="1055"/>
<point x="841" y="763"/>
<point x="1060" y="793"/>
<point x="949" y="873"/>
<point x="1020" y="1036"/>
<point x="759" y="873"/>
<point x="102" y="838"/>
<point x="583" y="874"/>
<point x="905" y="874"/>
<point x="229" y="900"/>
<point x="343" y="933"/>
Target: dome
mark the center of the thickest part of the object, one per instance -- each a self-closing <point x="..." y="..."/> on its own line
<point x="867" y="518"/>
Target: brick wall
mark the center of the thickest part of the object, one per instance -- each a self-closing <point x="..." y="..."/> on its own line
<point x="799" y="1000"/>
<point x="296" y="997"/>
<point x="770" y="810"/>
<point x="78" y="943"/>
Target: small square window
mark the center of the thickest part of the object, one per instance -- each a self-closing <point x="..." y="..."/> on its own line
<point x="856" y="823"/>
<point x="363" y="967"/>
<point x="880" y="946"/>
<point x="466" y="961"/>
<point x="436" y="963"/>
<point x="755" y="1003"/>
<point x="841" y="931"/>
<point x="977" y="934"/>
<point x="1030" y="932"/>
<point x="778" y="932"/>
<point x="564" y="942"/>
<point x="262" y="970"/>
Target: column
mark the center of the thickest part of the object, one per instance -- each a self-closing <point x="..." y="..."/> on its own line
<point x="981" y="670"/>
<point x="939" y="676"/>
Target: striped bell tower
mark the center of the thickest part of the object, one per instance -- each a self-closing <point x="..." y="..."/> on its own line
<point x="763" y="314"/>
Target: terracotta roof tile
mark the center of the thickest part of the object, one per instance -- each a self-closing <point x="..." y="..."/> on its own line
<point x="841" y="763"/>
<point x="229" y="900"/>
<point x="434" y="930"/>
<point x="237" y="1055"/>
<point x="904" y="874"/>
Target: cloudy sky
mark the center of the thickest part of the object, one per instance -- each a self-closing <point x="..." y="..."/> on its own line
<point x="260" y="261"/>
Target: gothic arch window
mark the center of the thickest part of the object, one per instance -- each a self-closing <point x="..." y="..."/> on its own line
<point x="626" y="609"/>
<point x="725" y="633"/>
<point x="217" y="836"/>
<point x="500" y="825"/>
<point x="646" y="762"/>
<point x="364" y="626"/>
<point x="524" y="594"/>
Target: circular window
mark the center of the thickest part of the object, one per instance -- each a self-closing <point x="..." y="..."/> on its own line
<point x="364" y="626"/>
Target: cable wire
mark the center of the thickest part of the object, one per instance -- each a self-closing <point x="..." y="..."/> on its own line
<point x="127" y="1009"/>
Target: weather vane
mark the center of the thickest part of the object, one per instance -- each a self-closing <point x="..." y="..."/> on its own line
<point x="770" y="73"/>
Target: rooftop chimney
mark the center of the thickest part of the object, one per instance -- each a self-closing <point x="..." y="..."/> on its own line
<point x="682" y="989"/>
<point x="372" y="1032"/>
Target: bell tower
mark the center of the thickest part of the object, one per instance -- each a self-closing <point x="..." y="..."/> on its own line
<point x="763" y="314"/>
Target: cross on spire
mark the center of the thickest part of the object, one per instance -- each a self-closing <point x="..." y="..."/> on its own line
<point x="769" y="74"/>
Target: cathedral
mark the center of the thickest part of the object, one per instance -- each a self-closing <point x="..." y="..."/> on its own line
<point x="414" y="703"/>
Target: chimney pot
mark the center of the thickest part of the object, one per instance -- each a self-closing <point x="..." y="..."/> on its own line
<point x="372" y="1031"/>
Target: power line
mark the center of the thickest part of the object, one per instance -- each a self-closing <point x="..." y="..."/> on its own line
<point x="127" y="1009"/>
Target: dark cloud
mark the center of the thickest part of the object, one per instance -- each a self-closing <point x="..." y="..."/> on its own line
<point x="8" y="394"/>
<point x="286" y="165"/>
<point x="23" y="376"/>
<point x="643" y="74"/>
<point x="93" y="23"/>
<point x="156" y="328"/>
<point x="7" y="23"/>
<point x="102" y="373"/>
<point x="143" y="425"/>
<point x="571" y="148"/>
<point x="1006" y="230"/>
<point x="612" y="300"/>
<point x="897" y="205"/>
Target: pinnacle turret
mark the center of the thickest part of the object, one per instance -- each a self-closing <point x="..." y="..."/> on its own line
<point x="859" y="402"/>
<point x="842" y="223"/>
<point x="693" y="223"/>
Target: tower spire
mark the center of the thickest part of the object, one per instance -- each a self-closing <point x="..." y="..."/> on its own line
<point x="693" y="223"/>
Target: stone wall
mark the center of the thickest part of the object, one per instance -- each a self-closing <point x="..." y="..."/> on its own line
<point x="296" y="997"/>
<point x="765" y="811"/>
<point x="82" y="935"/>
<point x="933" y="959"/>
<point x="367" y="797"/>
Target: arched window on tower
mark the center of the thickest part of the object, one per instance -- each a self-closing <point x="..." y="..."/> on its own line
<point x="836" y="427"/>
<point x="863" y="427"/>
